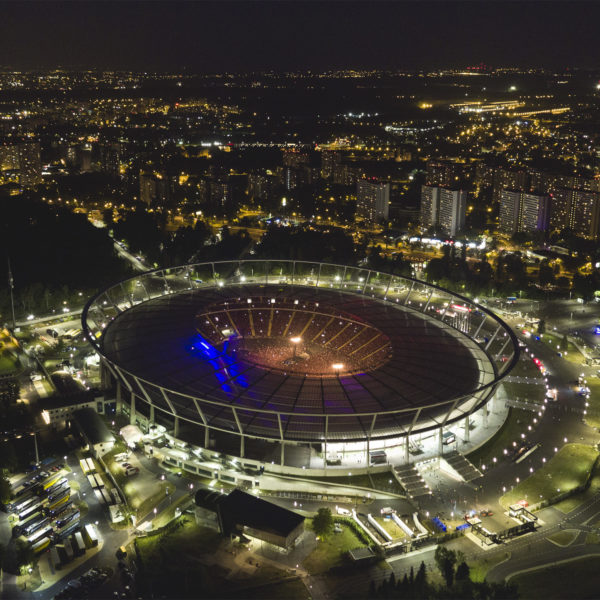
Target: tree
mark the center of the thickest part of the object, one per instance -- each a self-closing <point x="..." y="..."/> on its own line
<point x="546" y="274"/>
<point x="420" y="585"/>
<point x="24" y="553"/>
<point x="5" y="488"/>
<point x="462" y="572"/>
<point x="323" y="522"/>
<point x="445" y="560"/>
<point x="541" y="328"/>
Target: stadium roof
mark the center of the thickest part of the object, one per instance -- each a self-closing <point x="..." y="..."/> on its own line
<point x="158" y="341"/>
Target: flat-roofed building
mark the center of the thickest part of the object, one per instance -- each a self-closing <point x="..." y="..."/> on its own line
<point x="239" y="513"/>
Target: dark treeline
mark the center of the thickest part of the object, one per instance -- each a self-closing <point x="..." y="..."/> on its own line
<point x="457" y="584"/>
<point x="55" y="255"/>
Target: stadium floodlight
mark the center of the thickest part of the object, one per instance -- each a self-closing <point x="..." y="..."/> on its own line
<point x="295" y="340"/>
<point x="337" y="366"/>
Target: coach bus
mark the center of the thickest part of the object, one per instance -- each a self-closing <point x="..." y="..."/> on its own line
<point x="63" y="498"/>
<point x="39" y="534"/>
<point x="32" y="508"/>
<point x="37" y="524"/>
<point x="20" y="506"/>
<point x="41" y="545"/>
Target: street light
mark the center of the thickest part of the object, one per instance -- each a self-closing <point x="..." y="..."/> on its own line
<point x="337" y="366"/>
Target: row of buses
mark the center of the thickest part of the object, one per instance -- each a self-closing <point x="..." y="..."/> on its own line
<point x="44" y="510"/>
<point x="47" y="518"/>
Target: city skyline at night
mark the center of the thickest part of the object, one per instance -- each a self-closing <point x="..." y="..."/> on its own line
<point x="299" y="300"/>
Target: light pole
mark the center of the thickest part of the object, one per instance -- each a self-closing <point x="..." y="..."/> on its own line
<point x="295" y="340"/>
<point x="37" y="456"/>
<point x="11" y="285"/>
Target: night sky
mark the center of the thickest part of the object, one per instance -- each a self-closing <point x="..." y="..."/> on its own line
<point x="210" y="37"/>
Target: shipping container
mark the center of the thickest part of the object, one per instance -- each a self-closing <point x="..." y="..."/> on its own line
<point x="66" y="549"/>
<point x="55" y="559"/>
<point x="106" y="496"/>
<point x="78" y="544"/>
<point x="91" y="535"/>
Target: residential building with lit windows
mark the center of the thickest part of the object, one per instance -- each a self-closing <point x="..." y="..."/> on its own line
<point x="520" y="211"/>
<point x="372" y="200"/>
<point x="577" y="210"/>
<point x="508" y="218"/>
<point x="30" y="164"/>
<point x="430" y="205"/>
<point x="453" y="209"/>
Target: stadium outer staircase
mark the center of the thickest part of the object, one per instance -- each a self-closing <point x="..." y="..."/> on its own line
<point x="411" y="480"/>
<point x="465" y="468"/>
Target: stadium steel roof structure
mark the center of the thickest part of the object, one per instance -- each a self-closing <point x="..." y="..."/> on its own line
<point x="415" y="357"/>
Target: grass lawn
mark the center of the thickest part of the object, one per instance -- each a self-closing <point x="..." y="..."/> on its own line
<point x="564" y="538"/>
<point x="479" y="569"/>
<point x="143" y="505"/>
<point x="7" y="362"/>
<point x="593" y="412"/>
<point x="291" y="588"/>
<point x="182" y="564"/>
<point x="515" y="424"/>
<point x="525" y="367"/>
<point x="170" y="567"/>
<point x="567" y="469"/>
<point x="574" y="579"/>
<point x="330" y="551"/>
<point x="569" y="504"/>
<point x="531" y="392"/>
<point x="396" y="532"/>
<point x="592" y="538"/>
<point x="167" y="515"/>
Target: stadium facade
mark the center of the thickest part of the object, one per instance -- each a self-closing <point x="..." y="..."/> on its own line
<point x="290" y="364"/>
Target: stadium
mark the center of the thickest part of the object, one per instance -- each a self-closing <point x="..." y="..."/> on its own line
<point x="299" y="365"/>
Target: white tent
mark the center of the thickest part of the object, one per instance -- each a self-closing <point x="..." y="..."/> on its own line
<point x="131" y="434"/>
